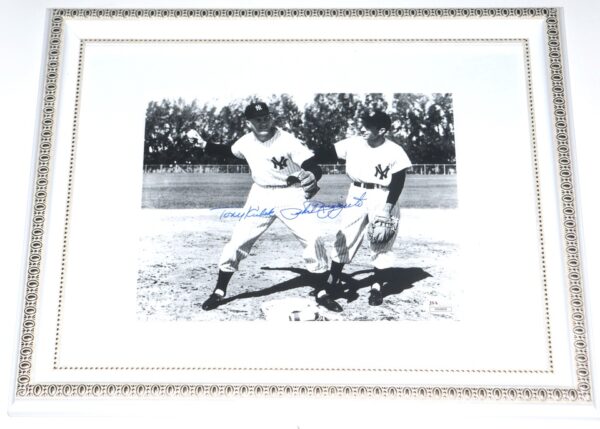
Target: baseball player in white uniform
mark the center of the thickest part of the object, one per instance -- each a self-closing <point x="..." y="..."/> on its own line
<point x="377" y="167"/>
<point x="277" y="160"/>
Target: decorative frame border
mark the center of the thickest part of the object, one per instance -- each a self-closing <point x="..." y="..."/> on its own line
<point x="580" y="393"/>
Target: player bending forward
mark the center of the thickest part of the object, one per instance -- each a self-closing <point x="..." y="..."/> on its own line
<point x="377" y="167"/>
<point x="276" y="159"/>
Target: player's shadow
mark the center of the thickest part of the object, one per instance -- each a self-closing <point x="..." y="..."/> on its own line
<point x="304" y="278"/>
<point x="396" y="280"/>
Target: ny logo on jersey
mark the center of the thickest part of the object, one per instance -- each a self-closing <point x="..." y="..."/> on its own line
<point x="379" y="171"/>
<point x="281" y="164"/>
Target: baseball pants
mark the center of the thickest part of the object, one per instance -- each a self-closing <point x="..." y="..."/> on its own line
<point x="353" y="224"/>
<point x="248" y="229"/>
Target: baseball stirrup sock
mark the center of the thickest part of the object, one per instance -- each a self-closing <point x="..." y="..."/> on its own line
<point x="334" y="273"/>
<point x="321" y="293"/>
<point x="379" y="276"/>
<point x="222" y="282"/>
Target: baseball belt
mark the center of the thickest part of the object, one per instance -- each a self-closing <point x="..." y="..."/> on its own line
<point x="274" y="186"/>
<point x="370" y="185"/>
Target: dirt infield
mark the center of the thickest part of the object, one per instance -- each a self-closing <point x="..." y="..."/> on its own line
<point x="181" y="241"/>
<point x="179" y="250"/>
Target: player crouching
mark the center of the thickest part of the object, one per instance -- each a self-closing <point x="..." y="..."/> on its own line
<point x="377" y="168"/>
<point x="277" y="160"/>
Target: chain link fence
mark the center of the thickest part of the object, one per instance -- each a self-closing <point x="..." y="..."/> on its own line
<point x="423" y="169"/>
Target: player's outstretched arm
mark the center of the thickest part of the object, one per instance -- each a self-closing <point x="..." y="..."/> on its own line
<point x="326" y="154"/>
<point x="219" y="150"/>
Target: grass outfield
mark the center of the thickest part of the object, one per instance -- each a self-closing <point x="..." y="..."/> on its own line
<point x="212" y="190"/>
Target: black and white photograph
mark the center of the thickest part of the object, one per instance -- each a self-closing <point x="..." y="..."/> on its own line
<point x="202" y="178"/>
<point x="299" y="207"/>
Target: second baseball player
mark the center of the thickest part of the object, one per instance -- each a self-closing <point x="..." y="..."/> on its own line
<point x="377" y="168"/>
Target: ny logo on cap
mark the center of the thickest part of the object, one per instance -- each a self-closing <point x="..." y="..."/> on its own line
<point x="379" y="171"/>
<point x="258" y="107"/>
<point x="281" y="164"/>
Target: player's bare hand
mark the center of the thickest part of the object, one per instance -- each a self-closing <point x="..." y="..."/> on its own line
<point x="387" y="210"/>
<point x="196" y="139"/>
<point x="307" y="181"/>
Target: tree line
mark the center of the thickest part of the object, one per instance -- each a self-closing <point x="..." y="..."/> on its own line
<point x="423" y="124"/>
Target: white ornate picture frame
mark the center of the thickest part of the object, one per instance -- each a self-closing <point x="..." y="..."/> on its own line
<point x="542" y="357"/>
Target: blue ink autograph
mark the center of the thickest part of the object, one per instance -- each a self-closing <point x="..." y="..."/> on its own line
<point x="321" y="210"/>
<point x="250" y="212"/>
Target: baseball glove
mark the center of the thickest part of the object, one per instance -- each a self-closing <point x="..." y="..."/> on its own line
<point x="382" y="229"/>
<point x="307" y="181"/>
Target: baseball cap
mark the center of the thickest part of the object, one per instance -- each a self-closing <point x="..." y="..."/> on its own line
<point x="256" y="109"/>
<point x="377" y="120"/>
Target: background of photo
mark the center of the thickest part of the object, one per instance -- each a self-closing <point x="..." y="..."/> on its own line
<point x="177" y="174"/>
<point x="423" y="124"/>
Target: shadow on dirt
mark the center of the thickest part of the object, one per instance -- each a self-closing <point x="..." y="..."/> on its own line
<point x="304" y="278"/>
<point x="397" y="280"/>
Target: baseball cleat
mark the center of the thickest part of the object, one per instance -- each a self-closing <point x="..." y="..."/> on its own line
<point x="212" y="302"/>
<point x="326" y="301"/>
<point x="375" y="297"/>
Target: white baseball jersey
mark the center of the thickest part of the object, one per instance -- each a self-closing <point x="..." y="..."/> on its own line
<point x="366" y="164"/>
<point x="272" y="162"/>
